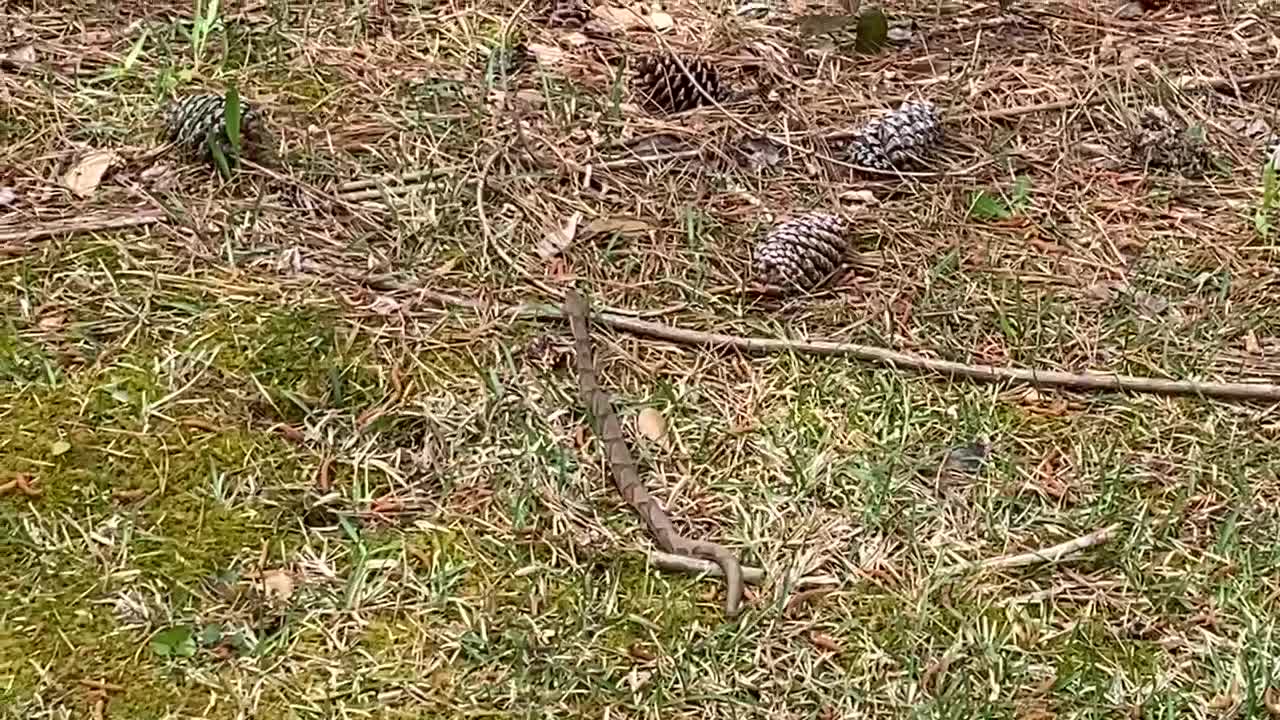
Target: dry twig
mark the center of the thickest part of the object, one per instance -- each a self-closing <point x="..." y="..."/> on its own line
<point x="1044" y="555"/>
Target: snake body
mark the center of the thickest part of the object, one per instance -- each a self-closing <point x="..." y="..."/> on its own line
<point x="626" y="476"/>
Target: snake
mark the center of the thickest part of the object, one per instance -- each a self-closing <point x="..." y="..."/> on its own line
<point x="623" y="468"/>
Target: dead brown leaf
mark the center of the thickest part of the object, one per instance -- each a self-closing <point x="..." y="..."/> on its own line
<point x="1228" y="699"/>
<point x="618" y="18"/>
<point x="640" y="652"/>
<point x="324" y="483"/>
<point x="804" y="599"/>
<point x="546" y="54"/>
<point x="934" y="671"/>
<point x="84" y="178"/>
<point x="131" y="495"/>
<point x="620" y="225"/>
<point x="637" y="678"/>
<point x="52" y="322"/>
<point x="651" y="424"/>
<point x="21" y="55"/>
<point x="559" y="239"/>
<point x="558" y="269"/>
<point x="278" y="585"/>
<point x="1251" y="344"/>
<point x="1271" y="698"/>
<point x="292" y="434"/>
<point x="825" y="642"/>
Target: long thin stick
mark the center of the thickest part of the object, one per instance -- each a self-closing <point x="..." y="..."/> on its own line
<point x="1044" y="555"/>
<point x="1094" y="381"/>
<point x="93" y="223"/>
<point x="985" y="373"/>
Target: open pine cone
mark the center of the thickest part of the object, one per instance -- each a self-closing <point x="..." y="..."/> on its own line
<point x="1162" y="142"/>
<point x="802" y="252"/>
<point x="665" y="85"/>
<point x="901" y="140"/>
<point x="195" y="120"/>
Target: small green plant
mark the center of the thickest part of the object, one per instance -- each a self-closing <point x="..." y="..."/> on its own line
<point x="984" y="205"/>
<point x="203" y="25"/>
<point x="115" y="72"/>
<point x="229" y="158"/>
<point x="177" y="641"/>
<point x="1270" y="198"/>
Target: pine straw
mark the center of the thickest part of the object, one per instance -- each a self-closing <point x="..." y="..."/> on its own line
<point x="494" y="570"/>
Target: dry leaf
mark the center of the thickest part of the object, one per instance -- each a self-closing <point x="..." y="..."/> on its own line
<point x="934" y="672"/>
<point x="21" y="55"/>
<point x="860" y="197"/>
<point x="546" y="54"/>
<point x="558" y="269"/>
<point x="825" y="642"/>
<point x="628" y="19"/>
<point x="278" y="585"/>
<point x="623" y="226"/>
<point x="651" y="424"/>
<point x="1271" y="698"/>
<point x="384" y="305"/>
<point x="661" y="21"/>
<point x="50" y="323"/>
<point x="640" y="652"/>
<point x="805" y="598"/>
<point x="559" y="239"/>
<point x="83" y="179"/>
<point x="638" y="678"/>
<point x="1105" y="290"/>
<point x="1149" y="303"/>
<point x="1251" y="344"/>
<point x="1228" y="699"/>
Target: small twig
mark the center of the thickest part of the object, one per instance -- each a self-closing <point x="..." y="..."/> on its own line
<point x="74" y="225"/>
<point x="385" y="191"/>
<point x="627" y="162"/>
<point x="392" y="180"/>
<point x="698" y="566"/>
<point x="1044" y="555"/>
<point x="1214" y="84"/>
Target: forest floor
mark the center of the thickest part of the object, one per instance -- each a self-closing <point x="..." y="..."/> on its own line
<point x="252" y="464"/>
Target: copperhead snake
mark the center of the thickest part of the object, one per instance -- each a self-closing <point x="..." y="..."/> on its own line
<point x="626" y="475"/>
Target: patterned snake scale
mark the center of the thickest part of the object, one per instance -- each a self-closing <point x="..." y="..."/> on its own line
<point x="626" y="476"/>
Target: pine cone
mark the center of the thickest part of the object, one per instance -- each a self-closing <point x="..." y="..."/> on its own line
<point x="801" y="252"/>
<point x="568" y="14"/>
<point x="900" y="140"/>
<point x="1162" y="142"/>
<point x="508" y="60"/>
<point x="666" y="86"/>
<point x="195" y="118"/>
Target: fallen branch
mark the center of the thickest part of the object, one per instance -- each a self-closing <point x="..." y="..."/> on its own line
<point x="1045" y="555"/>
<point x="1093" y="381"/>
<point x="893" y="358"/>
<point x="698" y="566"/>
<point x="73" y="225"/>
